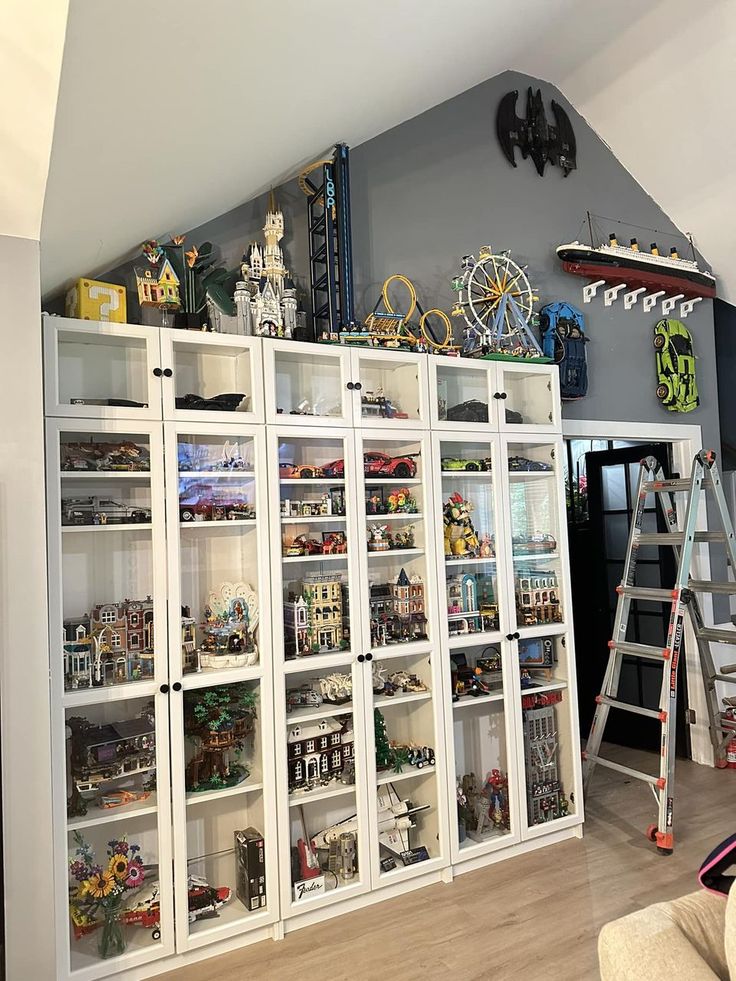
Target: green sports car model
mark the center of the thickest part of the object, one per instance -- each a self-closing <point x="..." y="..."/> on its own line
<point x="455" y="463"/>
<point x="676" y="387"/>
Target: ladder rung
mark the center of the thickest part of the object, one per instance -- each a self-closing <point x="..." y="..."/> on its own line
<point x="721" y="637"/>
<point x="628" y="707"/>
<point x="638" y="650"/>
<point x="727" y="725"/>
<point x="637" y="774"/>
<point x="728" y="678"/>
<point x="704" y="586"/>
<point x="682" y="484"/>
<point x="647" y="593"/>
<point x="678" y="537"/>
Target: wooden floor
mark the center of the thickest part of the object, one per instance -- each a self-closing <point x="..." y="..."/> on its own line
<point x="532" y="917"/>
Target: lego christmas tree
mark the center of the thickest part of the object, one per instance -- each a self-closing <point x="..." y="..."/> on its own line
<point x="384" y="754"/>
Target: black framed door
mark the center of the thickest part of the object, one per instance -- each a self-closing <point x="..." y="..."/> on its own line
<point x="612" y="477"/>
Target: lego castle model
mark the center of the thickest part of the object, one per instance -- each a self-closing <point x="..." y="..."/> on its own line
<point x="265" y="298"/>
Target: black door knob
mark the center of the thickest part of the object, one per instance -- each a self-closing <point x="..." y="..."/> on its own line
<point x="358" y="386"/>
<point x="497" y="395"/>
<point x="361" y="658"/>
<point x="176" y="686"/>
<point x="517" y="635"/>
<point x="350" y="386"/>
<point x="509" y="636"/>
<point x="168" y="372"/>
<point x="164" y="689"/>
<point x="503" y="395"/>
<point x="369" y="657"/>
<point x="157" y="372"/>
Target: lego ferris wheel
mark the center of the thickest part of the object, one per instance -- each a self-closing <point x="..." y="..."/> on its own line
<point x="496" y="301"/>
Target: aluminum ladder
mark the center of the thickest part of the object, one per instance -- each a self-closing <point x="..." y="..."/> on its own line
<point x="682" y="598"/>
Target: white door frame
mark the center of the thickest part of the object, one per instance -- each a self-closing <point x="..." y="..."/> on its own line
<point x="686" y="440"/>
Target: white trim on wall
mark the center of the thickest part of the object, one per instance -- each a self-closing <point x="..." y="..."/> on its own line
<point x="686" y="440"/>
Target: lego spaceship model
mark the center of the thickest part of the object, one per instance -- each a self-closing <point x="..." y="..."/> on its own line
<point x="535" y="137"/>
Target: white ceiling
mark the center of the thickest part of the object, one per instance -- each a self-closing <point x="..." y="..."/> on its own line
<point x="31" y="46"/>
<point x="165" y="120"/>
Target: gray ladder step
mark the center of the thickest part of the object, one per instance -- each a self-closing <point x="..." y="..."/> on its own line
<point x="646" y="593"/>
<point x="638" y="650"/>
<point x="705" y="586"/>
<point x="678" y="537"/>
<point x="730" y="679"/>
<point x="637" y="774"/>
<point x="679" y="484"/>
<point x="720" y="636"/>
<point x="628" y="707"/>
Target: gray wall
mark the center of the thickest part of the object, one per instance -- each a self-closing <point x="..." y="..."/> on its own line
<point x="438" y="186"/>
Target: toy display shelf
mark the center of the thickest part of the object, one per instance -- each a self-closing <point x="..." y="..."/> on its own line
<point x="558" y="684"/>
<point x="406" y="698"/>
<point x="314" y="519"/>
<point x="228" y="523"/>
<point x="342" y="557"/>
<point x="203" y="797"/>
<point x="331" y="481"/>
<point x="391" y="552"/>
<point x="79" y="697"/>
<point x="326" y="793"/>
<point x="318" y="662"/>
<point x="531" y="475"/>
<point x="99" y="815"/>
<point x="468" y="701"/>
<point x="395" y="516"/>
<point x="485" y="637"/>
<point x="218" y="474"/>
<point x="384" y="481"/>
<point x="84" y="529"/>
<point x="410" y="773"/>
<point x="326" y="710"/>
<point x="471" y="560"/>
<point x="144" y="476"/>
<point x="209" y="677"/>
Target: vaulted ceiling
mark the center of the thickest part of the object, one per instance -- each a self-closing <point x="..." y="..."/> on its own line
<point x="169" y="114"/>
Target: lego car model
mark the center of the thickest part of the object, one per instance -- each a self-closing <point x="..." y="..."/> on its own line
<point x="533" y="544"/>
<point x="101" y="511"/>
<point x="517" y="463"/>
<point x="303" y="696"/>
<point x="298" y="471"/>
<point x="456" y="463"/>
<point x="393" y="466"/>
<point x="676" y="387"/>
<point x="421" y="756"/>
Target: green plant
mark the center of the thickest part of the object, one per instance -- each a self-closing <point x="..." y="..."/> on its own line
<point x="202" y="277"/>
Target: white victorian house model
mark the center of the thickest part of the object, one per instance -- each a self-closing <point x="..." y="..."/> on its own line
<point x="265" y="297"/>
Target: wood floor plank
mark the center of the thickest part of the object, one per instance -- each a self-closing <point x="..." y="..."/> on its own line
<point x="535" y="916"/>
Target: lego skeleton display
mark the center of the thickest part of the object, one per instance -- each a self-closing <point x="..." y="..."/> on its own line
<point x="219" y="722"/>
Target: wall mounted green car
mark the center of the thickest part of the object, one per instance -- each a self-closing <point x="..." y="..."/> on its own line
<point x="676" y="386"/>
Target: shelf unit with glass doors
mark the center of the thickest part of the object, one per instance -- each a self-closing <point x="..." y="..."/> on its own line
<point x="152" y="506"/>
<point x="354" y="622"/>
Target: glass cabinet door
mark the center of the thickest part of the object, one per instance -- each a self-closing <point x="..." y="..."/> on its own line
<point x="399" y="622"/>
<point x="464" y="395"/>
<point x="320" y="720"/>
<point x="213" y="378"/>
<point x="219" y="656"/>
<point x="389" y="389"/>
<point x="101" y="370"/>
<point x="110" y="730"/>
<point x="307" y="385"/>
<point x="549" y="746"/>
<point x="479" y="677"/>
<point x="530" y="394"/>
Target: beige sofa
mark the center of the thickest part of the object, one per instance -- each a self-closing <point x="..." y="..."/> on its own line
<point x="689" y="939"/>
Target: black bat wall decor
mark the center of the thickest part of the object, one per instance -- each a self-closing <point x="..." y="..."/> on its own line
<point x="534" y="136"/>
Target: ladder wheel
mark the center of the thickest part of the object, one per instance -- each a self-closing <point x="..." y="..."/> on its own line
<point x="721" y="764"/>
<point x="651" y="832"/>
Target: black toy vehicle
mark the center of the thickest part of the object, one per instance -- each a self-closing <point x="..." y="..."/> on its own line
<point x="517" y="463"/>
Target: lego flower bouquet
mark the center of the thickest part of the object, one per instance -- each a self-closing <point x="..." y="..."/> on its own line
<point x="96" y="901"/>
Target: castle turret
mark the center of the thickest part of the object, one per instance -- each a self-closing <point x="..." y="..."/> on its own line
<point x="242" y="308"/>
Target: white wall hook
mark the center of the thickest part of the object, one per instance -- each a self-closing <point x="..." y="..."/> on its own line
<point x="591" y="289"/>
<point x="631" y="297"/>
<point x="670" y="302"/>
<point x="649" y="301"/>
<point x="611" y="293"/>
<point x="687" y="306"/>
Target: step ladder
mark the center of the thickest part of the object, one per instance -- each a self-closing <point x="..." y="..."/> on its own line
<point x="682" y="598"/>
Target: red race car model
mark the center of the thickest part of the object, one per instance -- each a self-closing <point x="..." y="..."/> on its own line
<point x="402" y="467"/>
<point x="300" y="470"/>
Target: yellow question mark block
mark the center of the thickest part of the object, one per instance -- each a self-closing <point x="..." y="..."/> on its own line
<point x="89" y="299"/>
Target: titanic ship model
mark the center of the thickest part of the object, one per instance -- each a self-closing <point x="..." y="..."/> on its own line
<point x="628" y="264"/>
